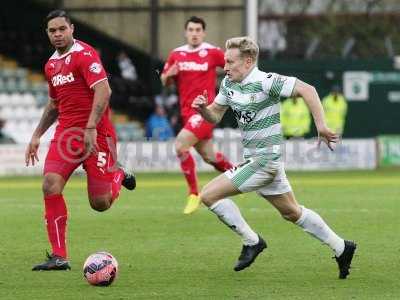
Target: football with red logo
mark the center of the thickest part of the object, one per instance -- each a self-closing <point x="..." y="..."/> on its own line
<point x="100" y="269"/>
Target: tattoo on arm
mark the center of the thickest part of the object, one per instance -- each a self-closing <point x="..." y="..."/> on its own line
<point x="49" y="116"/>
<point x="99" y="110"/>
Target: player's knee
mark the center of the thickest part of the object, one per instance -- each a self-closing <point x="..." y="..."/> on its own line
<point x="51" y="186"/>
<point x="100" y="203"/>
<point x="207" y="158"/>
<point x="292" y="215"/>
<point x="179" y="149"/>
<point x="207" y="197"/>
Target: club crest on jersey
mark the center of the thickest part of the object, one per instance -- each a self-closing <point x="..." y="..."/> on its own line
<point x="62" y="79"/>
<point x="203" y="53"/>
<point x="252" y="98"/>
<point x="95" y="68"/>
<point x="68" y="59"/>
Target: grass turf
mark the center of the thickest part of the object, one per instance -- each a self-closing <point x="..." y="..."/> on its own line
<point x="164" y="254"/>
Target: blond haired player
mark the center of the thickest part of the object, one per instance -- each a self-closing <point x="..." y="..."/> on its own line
<point x="254" y="97"/>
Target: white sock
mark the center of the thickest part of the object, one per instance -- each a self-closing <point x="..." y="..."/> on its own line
<point x="313" y="224"/>
<point x="229" y="214"/>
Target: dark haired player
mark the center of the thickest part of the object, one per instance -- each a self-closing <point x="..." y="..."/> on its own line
<point x="78" y="99"/>
<point x="192" y="67"/>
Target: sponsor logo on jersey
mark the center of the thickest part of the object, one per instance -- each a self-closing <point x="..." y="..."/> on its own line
<point x="95" y="68"/>
<point x="244" y="117"/>
<point x="230" y="94"/>
<point x="62" y="79"/>
<point x="192" y="66"/>
<point x="68" y="59"/>
<point x="203" y="53"/>
<point x="87" y="53"/>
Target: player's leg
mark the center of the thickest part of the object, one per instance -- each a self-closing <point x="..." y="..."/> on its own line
<point x="57" y="170"/>
<point x="312" y="223"/>
<point x="183" y="142"/>
<point x="105" y="176"/>
<point x="217" y="159"/>
<point x="245" y="178"/>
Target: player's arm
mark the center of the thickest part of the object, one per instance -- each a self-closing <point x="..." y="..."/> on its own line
<point x="167" y="77"/>
<point x="101" y="98"/>
<point x="310" y="96"/>
<point x="49" y="116"/>
<point x="170" y="71"/>
<point x="212" y="113"/>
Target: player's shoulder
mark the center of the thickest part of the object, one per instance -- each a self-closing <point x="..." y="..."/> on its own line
<point x="84" y="50"/>
<point x="203" y="46"/>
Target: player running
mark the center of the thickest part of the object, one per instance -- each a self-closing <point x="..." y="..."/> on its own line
<point x="193" y="69"/>
<point x="254" y="97"/>
<point x="78" y="99"/>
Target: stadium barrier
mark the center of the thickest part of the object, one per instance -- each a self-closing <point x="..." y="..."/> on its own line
<point x="152" y="156"/>
<point x="389" y="150"/>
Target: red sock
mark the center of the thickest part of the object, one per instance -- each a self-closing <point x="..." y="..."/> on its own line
<point x="116" y="184"/>
<point x="188" y="167"/>
<point x="221" y="162"/>
<point x="56" y="223"/>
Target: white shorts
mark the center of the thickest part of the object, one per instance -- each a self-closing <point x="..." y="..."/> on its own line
<point x="260" y="174"/>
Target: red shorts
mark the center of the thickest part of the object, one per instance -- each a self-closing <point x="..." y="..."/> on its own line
<point x="202" y="129"/>
<point x="66" y="153"/>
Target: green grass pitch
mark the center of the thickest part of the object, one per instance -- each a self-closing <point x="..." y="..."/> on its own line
<point x="164" y="254"/>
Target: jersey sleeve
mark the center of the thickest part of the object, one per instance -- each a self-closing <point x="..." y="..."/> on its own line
<point x="221" y="98"/>
<point x="91" y="67"/>
<point x="51" y="89"/>
<point x="219" y="58"/>
<point x="276" y="85"/>
<point x="170" y="61"/>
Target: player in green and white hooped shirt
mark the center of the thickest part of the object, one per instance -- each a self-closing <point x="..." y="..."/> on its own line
<point x="254" y="97"/>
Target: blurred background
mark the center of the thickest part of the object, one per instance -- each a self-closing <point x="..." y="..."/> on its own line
<point x="348" y="49"/>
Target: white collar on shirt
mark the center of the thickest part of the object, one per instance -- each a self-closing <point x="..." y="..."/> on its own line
<point x="76" y="47"/>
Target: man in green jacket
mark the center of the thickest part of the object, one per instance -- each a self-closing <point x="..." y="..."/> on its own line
<point x="295" y="117"/>
<point x="335" y="107"/>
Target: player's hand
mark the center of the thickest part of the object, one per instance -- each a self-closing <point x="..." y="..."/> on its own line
<point x="327" y="136"/>
<point x="31" y="151"/>
<point x="200" y="101"/>
<point x="90" y="141"/>
<point x="173" y="70"/>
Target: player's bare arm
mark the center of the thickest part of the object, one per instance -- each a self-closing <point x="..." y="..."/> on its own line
<point x="213" y="113"/>
<point x="310" y="96"/>
<point x="49" y="116"/>
<point x="102" y="93"/>
<point x="167" y="77"/>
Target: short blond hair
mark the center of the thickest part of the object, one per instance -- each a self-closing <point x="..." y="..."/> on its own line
<point x="246" y="45"/>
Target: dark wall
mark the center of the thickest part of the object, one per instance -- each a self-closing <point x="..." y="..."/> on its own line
<point x="364" y="119"/>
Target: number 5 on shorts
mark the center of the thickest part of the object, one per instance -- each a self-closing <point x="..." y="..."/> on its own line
<point x="101" y="159"/>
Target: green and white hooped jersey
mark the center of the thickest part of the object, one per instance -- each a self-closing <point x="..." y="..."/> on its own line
<point x="255" y="103"/>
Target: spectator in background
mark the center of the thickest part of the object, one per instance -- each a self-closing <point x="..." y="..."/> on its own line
<point x="4" y="138"/>
<point x="295" y="117"/>
<point x="125" y="64"/>
<point x="157" y="126"/>
<point x="335" y="107"/>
